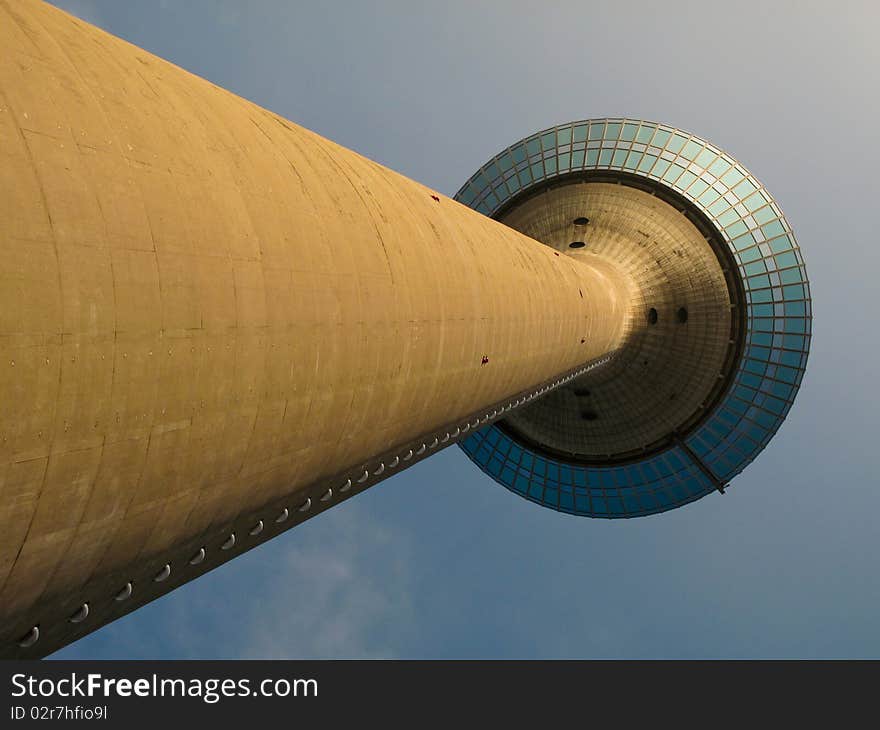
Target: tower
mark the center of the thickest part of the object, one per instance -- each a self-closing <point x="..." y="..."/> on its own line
<point x="216" y="324"/>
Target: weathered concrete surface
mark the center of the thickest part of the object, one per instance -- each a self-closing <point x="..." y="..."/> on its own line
<point x="204" y="307"/>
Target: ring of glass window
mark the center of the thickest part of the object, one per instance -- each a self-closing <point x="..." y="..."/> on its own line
<point x="768" y="368"/>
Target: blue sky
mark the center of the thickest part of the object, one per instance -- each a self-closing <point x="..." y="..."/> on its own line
<point x="439" y="561"/>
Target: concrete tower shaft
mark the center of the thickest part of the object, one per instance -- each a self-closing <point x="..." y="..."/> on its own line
<point x="207" y="311"/>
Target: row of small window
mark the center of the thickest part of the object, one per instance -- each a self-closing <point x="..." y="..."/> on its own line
<point x="495" y="451"/>
<point x="729" y="456"/>
<point x="787" y="294"/>
<point x="777" y="253"/>
<point x="581" y="135"/>
<point x="756" y="372"/>
<point x="572" y="477"/>
<point x="768" y="229"/>
<point x="792" y="317"/>
<point x="763" y="326"/>
<point x="360" y="478"/>
<point x="741" y="428"/>
<point x="618" y="505"/>
<point x="715" y="197"/>
<point x="748" y="418"/>
<point x="758" y="357"/>
<point x="736" y="417"/>
<point x="620" y="479"/>
<point x="773" y="273"/>
<point x="750" y="431"/>
<point x="197" y="559"/>
<point x="765" y="225"/>
<point x="710" y="177"/>
<point x="636" y="497"/>
<point x="778" y="341"/>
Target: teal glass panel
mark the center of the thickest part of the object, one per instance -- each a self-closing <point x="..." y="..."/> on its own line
<point x="580" y="133"/>
<point x="791" y="276"/>
<point x="647" y="163"/>
<point x="661" y="138"/>
<point x="563" y="136"/>
<point x="727" y="218"/>
<point x="736" y="229"/>
<point x="755" y="201"/>
<point x="743" y="241"/>
<point x="731" y="177"/>
<point x="673" y="173"/>
<point x="632" y="160"/>
<point x="686" y="179"/>
<point x="764" y="214"/>
<point x="661" y="167"/>
<point x="719" y="167"/>
<point x="676" y="143"/>
<point x="697" y="188"/>
<point x="718" y="207"/>
<point x="786" y="259"/>
<point x="750" y="254"/>
<point x="705" y="158"/>
<point x="773" y="229"/>
<point x="645" y="134"/>
<point x="794" y="342"/>
<point x="629" y="132"/>
<point x="756" y="267"/>
<point x="691" y="149"/>
<point x="709" y="197"/>
<point x="744" y="189"/>
<point x="780" y="244"/>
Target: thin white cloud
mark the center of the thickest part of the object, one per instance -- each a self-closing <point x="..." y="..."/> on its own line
<point x="329" y="599"/>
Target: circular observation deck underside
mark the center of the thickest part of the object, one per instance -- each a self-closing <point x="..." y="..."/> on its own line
<point x="682" y="328"/>
<point x="717" y="332"/>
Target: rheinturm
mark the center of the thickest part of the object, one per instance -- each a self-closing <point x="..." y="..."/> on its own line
<point x="215" y="324"/>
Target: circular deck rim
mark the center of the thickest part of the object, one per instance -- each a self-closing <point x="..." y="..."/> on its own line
<point x="778" y="313"/>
